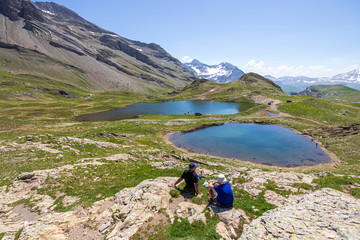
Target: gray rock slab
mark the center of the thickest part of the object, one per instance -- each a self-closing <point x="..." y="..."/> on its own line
<point x="323" y="214"/>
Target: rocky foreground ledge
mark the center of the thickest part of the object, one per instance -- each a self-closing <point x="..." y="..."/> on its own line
<point x="323" y="214"/>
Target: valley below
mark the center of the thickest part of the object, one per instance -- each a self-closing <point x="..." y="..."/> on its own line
<point x="65" y="179"/>
<point x="66" y="173"/>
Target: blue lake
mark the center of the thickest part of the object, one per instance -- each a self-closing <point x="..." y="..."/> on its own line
<point x="167" y="108"/>
<point x="264" y="144"/>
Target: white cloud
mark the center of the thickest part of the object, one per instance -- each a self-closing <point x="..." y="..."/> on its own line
<point x="286" y="70"/>
<point x="352" y="67"/>
<point x="187" y="59"/>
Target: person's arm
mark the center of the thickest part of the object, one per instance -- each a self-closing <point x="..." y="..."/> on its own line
<point x="211" y="185"/>
<point x="197" y="190"/>
<point x="177" y="181"/>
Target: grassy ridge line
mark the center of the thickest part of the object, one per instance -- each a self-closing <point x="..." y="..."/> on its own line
<point x="337" y="93"/>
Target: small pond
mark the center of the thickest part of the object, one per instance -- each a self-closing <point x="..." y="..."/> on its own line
<point x="264" y="144"/>
<point x="167" y="108"/>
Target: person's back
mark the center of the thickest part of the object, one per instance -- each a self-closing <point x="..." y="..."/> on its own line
<point x="190" y="177"/>
<point x="225" y="194"/>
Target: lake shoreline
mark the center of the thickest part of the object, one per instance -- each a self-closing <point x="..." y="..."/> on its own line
<point x="334" y="161"/>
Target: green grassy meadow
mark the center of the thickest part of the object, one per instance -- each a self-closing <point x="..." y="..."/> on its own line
<point x="31" y="116"/>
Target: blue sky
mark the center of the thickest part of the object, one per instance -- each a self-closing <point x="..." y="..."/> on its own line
<point x="280" y="37"/>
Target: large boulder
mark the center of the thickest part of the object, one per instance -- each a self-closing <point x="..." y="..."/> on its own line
<point x="323" y="214"/>
<point x="231" y="221"/>
<point x="134" y="206"/>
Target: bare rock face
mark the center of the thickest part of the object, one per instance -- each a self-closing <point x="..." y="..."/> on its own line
<point x="11" y="8"/>
<point x="134" y="206"/>
<point x="324" y="214"/>
<point x="255" y="180"/>
<point x="230" y="221"/>
<point x="274" y="198"/>
<point x="191" y="211"/>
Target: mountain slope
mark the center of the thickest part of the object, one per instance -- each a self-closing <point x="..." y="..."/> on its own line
<point x="339" y="93"/>
<point x="105" y="61"/>
<point x="221" y="73"/>
<point x="299" y="83"/>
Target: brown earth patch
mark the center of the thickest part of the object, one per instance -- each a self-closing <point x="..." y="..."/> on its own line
<point x="25" y="214"/>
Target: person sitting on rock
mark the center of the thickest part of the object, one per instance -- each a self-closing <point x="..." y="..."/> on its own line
<point x="221" y="193"/>
<point x="191" y="178"/>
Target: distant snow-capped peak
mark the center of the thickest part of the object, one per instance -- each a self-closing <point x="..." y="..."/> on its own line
<point x="352" y="76"/>
<point x="350" y="79"/>
<point x="221" y="73"/>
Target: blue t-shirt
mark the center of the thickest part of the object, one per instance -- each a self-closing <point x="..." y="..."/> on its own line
<point x="225" y="194"/>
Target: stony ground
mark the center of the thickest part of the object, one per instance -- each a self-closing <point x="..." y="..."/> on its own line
<point x="299" y="211"/>
<point x="271" y="203"/>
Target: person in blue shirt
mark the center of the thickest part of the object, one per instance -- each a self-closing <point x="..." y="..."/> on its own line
<point x="221" y="193"/>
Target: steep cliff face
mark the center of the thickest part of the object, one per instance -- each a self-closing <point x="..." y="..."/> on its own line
<point x="109" y="61"/>
<point x="11" y="8"/>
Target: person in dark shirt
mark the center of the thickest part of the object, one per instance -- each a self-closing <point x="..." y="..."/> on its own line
<point x="221" y="192"/>
<point x="191" y="178"/>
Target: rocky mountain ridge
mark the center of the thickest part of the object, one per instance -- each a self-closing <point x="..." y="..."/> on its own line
<point x="220" y="73"/>
<point x="339" y="93"/>
<point x="107" y="61"/>
<point x="299" y="83"/>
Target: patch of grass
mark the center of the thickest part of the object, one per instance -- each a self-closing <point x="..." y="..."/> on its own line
<point x="60" y="207"/>
<point x="335" y="182"/>
<point x="270" y="185"/>
<point x="303" y="186"/>
<point x="253" y="207"/>
<point x="320" y="110"/>
<point x="2" y="235"/>
<point x="355" y="192"/>
<point x="175" y="193"/>
<point x="239" y="180"/>
<point x="113" y="178"/>
<point x="18" y="233"/>
<point x="182" y="229"/>
<point x="153" y="232"/>
<point x="340" y="183"/>
<point x="26" y="201"/>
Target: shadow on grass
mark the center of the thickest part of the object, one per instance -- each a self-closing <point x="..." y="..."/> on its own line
<point x="187" y="192"/>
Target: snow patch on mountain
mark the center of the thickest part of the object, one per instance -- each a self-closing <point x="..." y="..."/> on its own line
<point x="300" y="83"/>
<point x="221" y="73"/>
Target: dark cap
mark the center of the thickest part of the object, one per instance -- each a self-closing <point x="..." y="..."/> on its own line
<point x="192" y="165"/>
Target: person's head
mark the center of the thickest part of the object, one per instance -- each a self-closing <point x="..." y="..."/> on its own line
<point x="221" y="179"/>
<point x="192" y="166"/>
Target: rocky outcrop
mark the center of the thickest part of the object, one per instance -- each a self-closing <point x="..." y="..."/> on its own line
<point x="134" y="206"/>
<point x="231" y="221"/>
<point x="300" y="213"/>
<point x="256" y="179"/>
<point x="324" y="214"/>
<point x="11" y="8"/>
